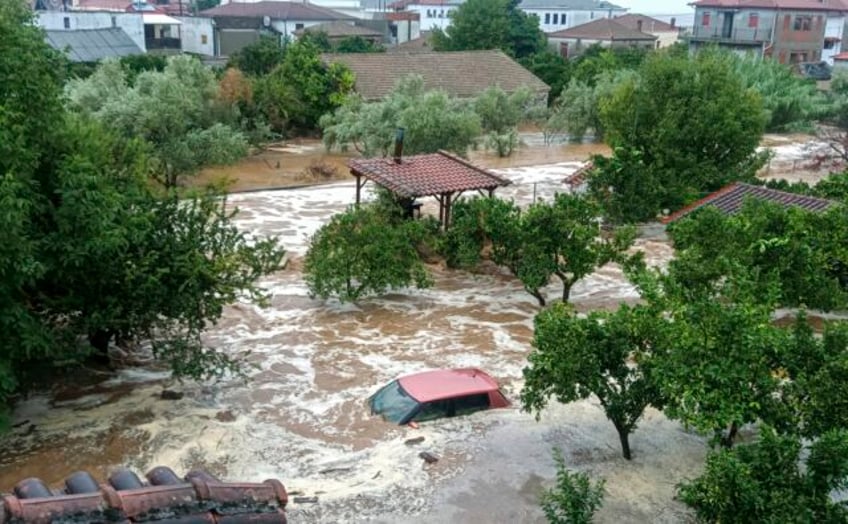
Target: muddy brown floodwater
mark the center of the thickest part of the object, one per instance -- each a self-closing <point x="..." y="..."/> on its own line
<point x="302" y="416"/>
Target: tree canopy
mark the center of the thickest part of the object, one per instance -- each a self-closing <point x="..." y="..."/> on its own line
<point x="491" y="24"/>
<point x="692" y="126"/>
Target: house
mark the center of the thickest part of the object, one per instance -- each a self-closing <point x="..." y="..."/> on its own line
<point x="432" y="13"/>
<point x="93" y="45"/>
<point x="337" y="31"/>
<point x="666" y="33"/>
<point x="403" y="26"/>
<point x="463" y="74"/>
<point x="422" y="44"/>
<point x="161" y="32"/>
<point x="603" y="31"/>
<point x="729" y="200"/>
<point x="789" y="31"/>
<point x="556" y="15"/>
<point x="197" y="35"/>
<point x="132" y="24"/>
<point x="240" y="24"/>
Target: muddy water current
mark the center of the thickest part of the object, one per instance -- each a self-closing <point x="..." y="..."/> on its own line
<point x="302" y="418"/>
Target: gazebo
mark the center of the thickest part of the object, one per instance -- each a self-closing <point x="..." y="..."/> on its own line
<point x="441" y="175"/>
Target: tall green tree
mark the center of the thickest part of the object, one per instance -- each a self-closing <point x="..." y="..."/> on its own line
<point x="491" y="24"/>
<point x="607" y="355"/>
<point x="694" y="125"/>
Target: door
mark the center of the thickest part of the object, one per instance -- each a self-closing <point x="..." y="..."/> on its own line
<point x="727" y="25"/>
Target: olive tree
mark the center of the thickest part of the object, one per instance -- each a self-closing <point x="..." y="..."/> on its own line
<point x="608" y="355"/>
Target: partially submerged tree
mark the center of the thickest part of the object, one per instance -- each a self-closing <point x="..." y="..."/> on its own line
<point x="500" y="114"/>
<point x="607" y="355"/>
<point x="364" y="252"/>
<point x="431" y="119"/>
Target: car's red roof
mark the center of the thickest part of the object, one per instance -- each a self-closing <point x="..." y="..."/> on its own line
<point x="447" y="383"/>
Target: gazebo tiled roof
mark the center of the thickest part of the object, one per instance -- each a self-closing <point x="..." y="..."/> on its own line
<point x="729" y="200"/>
<point x="427" y="175"/>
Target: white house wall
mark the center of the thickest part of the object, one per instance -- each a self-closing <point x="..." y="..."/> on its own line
<point x="288" y="27"/>
<point x="665" y="38"/>
<point x="131" y="23"/>
<point x="197" y="35"/>
<point x="573" y="17"/>
<point x="834" y="28"/>
<point x="433" y="16"/>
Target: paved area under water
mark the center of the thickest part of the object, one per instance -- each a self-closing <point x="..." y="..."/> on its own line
<point x="302" y="415"/>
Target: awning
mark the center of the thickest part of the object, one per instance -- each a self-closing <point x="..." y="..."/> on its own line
<point x="159" y="19"/>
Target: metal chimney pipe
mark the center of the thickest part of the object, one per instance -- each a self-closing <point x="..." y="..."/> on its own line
<point x="398" y="145"/>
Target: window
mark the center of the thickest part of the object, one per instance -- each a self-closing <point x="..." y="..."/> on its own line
<point x="803" y="23"/>
<point x="471" y="403"/>
<point x="705" y="19"/>
<point x="67" y="22"/>
<point x="298" y="26"/>
<point x="434" y="410"/>
<point x="797" y="57"/>
<point x="203" y="39"/>
<point x="556" y="18"/>
<point x="114" y="21"/>
<point x="591" y="15"/>
<point x="429" y="13"/>
<point x="562" y="19"/>
<point x="754" y="20"/>
<point x="547" y="18"/>
<point x="829" y="43"/>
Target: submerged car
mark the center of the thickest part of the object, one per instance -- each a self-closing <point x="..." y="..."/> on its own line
<point x="435" y="394"/>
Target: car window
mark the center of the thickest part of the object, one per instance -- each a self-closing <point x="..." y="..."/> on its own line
<point x="434" y="410"/>
<point x="393" y="403"/>
<point x="471" y="403"/>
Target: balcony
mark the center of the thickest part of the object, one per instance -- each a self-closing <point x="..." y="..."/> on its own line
<point x="743" y="36"/>
<point x="166" y="43"/>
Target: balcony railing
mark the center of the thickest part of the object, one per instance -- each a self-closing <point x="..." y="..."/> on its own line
<point x="744" y="35"/>
<point x="162" y="43"/>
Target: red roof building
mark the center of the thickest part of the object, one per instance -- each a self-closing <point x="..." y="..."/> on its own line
<point x="441" y="175"/>
<point x="729" y="200"/>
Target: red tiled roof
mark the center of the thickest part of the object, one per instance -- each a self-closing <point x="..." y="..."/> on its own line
<point x="426" y="175"/>
<point x="277" y="11"/>
<point x="649" y="25"/>
<point x="729" y="200"/>
<point x="198" y="497"/>
<point x="807" y="5"/>
<point x="577" y="178"/>
<point x="841" y="56"/>
<point x="602" y="29"/>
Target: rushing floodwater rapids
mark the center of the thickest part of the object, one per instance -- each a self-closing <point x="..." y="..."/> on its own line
<point x="302" y="418"/>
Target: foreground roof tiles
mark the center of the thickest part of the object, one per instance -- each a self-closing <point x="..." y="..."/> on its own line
<point x="602" y="29"/>
<point x="426" y="175"/>
<point x="93" y="45"/>
<point x="276" y="11"/>
<point x="729" y="200"/>
<point x="462" y="74"/>
<point x="165" y="497"/>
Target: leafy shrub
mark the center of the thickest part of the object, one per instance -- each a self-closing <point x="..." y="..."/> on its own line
<point x="574" y="499"/>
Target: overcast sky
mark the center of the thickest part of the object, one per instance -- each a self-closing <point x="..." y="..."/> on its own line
<point x="656" y="6"/>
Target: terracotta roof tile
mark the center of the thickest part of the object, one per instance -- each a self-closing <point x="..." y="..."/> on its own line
<point x="277" y="11"/>
<point x="602" y="29"/>
<point x="729" y="200"/>
<point x="426" y="175"/>
<point x="462" y="74"/>
<point x="197" y="497"/>
<point x="340" y="30"/>
<point x="649" y="25"/>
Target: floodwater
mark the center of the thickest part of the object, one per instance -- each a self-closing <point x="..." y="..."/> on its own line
<point x="302" y="416"/>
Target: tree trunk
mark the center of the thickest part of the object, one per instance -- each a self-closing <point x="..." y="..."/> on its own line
<point x="566" y="290"/>
<point x="727" y="440"/>
<point x="538" y="295"/>
<point x="624" y="437"/>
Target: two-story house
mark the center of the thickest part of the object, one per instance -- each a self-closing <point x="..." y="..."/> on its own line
<point x="432" y="13"/>
<point x="790" y="31"/>
<point x="556" y="15"/>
